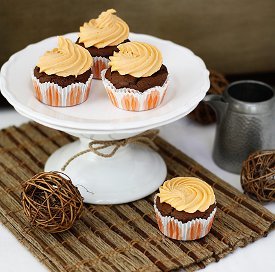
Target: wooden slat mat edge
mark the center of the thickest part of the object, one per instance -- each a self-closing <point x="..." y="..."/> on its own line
<point x="120" y="237"/>
<point x="35" y="251"/>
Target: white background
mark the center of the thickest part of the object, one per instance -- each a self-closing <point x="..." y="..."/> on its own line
<point x="197" y="142"/>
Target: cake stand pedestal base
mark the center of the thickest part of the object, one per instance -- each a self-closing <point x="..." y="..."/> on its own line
<point x="134" y="172"/>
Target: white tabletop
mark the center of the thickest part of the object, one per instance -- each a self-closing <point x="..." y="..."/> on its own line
<point x="197" y="142"/>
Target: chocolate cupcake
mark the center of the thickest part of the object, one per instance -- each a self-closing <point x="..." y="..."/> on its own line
<point x="63" y="75"/>
<point x="137" y="80"/>
<point x="185" y="208"/>
<point x="101" y="36"/>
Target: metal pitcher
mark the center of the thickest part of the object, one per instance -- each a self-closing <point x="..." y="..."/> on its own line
<point x="245" y="122"/>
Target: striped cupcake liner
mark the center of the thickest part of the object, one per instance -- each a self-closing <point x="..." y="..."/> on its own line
<point x="52" y="94"/>
<point x="99" y="64"/>
<point x="133" y="100"/>
<point x="191" y="230"/>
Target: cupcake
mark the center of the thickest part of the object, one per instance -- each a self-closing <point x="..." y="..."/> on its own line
<point x="136" y="80"/>
<point x="101" y="36"/>
<point x="185" y="208"/>
<point x="63" y="76"/>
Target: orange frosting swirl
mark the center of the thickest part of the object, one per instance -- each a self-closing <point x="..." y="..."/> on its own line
<point x="66" y="60"/>
<point x="137" y="59"/>
<point x="187" y="194"/>
<point x="106" y="30"/>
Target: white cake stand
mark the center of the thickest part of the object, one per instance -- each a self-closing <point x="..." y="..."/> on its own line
<point x="135" y="171"/>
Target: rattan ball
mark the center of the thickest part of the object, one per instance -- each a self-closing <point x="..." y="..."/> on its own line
<point x="51" y="201"/>
<point x="203" y="113"/>
<point x="258" y="176"/>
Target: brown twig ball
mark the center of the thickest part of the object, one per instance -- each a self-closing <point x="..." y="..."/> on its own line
<point x="203" y="113"/>
<point x="258" y="175"/>
<point x="51" y="201"/>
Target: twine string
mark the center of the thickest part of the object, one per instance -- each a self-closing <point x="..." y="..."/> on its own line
<point x="144" y="138"/>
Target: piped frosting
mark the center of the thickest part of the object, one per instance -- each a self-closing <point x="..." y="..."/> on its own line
<point x="107" y="30"/>
<point x="187" y="194"/>
<point x="66" y="60"/>
<point x="137" y="59"/>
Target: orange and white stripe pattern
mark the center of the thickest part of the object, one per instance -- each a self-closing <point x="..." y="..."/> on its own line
<point x="51" y="94"/>
<point x="99" y="64"/>
<point x="133" y="100"/>
<point x="192" y="230"/>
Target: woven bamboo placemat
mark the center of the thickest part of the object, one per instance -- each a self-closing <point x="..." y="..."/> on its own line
<point x="120" y="237"/>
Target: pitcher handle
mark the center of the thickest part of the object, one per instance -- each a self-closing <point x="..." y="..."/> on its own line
<point x="213" y="97"/>
<point x="217" y="103"/>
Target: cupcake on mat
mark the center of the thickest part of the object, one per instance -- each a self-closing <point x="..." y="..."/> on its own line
<point x="63" y="76"/>
<point x="185" y="208"/>
<point x="136" y="80"/>
<point x="101" y="36"/>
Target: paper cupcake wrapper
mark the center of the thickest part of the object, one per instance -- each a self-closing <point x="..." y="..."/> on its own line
<point x="191" y="230"/>
<point x="99" y="64"/>
<point x="54" y="95"/>
<point x="133" y="100"/>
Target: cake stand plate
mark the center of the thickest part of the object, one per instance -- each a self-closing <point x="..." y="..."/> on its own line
<point x="135" y="171"/>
